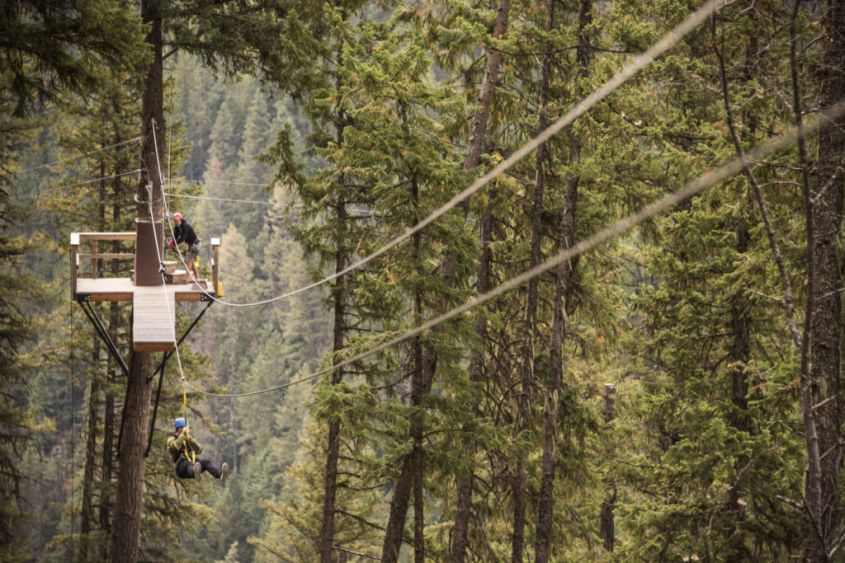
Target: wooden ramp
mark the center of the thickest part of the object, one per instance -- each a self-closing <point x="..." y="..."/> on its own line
<point x="153" y="319"/>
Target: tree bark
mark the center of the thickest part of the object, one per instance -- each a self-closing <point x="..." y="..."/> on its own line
<point x="606" y="518"/>
<point x="814" y="548"/>
<point x="87" y="512"/>
<point x="136" y="412"/>
<point x="338" y="344"/>
<point x="418" y="382"/>
<point x="86" y="516"/>
<point x="544" y="521"/>
<point x="826" y="201"/>
<point x="463" y="506"/>
<point x="130" y="482"/>
<point x="108" y="409"/>
<point x="464" y="482"/>
<point x="563" y="276"/>
<point x="411" y="476"/>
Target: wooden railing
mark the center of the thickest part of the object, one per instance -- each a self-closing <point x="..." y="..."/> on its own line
<point x="94" y="239"/>
<point x="76" y="257"/>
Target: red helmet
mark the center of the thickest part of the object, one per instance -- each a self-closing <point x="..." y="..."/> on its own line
<point x="176" y="216"/>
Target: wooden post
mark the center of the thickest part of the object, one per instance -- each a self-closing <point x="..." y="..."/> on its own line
<point x="215" y="265"/>
<point x="74" y="262"/>
<point x="95" y="249"/>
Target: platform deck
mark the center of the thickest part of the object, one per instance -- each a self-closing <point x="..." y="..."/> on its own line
<point x="122" y="289"/>
<point x="153" y="320"/>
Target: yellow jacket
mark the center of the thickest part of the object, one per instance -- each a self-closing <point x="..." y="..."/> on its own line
<point x="176" y="445"/>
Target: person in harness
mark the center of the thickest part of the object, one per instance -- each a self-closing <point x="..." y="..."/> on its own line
<point x="185" y="233"/>
<point x="183" y="449"/>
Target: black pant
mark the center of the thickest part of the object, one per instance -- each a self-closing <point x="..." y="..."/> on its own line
<point x="185" y="469"/>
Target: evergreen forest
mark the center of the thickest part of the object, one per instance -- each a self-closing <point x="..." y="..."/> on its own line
<point x="499" y="280"/>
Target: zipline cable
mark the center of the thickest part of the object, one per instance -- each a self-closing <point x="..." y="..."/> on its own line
<point x="209" y="198"/>
<point x="81" y="156"/>
<point x="160" y="253"/>
<point x="703" y="182"/>
<point x="92" y="180"/>
<point x="628" y="71"/>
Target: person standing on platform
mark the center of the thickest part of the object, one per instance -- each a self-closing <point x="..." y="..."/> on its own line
<point x="185" y="233"/>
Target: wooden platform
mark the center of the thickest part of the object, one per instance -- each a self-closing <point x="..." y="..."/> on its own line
<point x="153" y="307"/>
<point x="153" y="319"/>
<point x="122" y="289"/>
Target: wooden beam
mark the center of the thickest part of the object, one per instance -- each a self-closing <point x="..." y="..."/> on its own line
<point x="215" y="265"/>
<point x="152" y="346"/>
<point x="126" y="235"/>
<point x="109" y="255"/>
<point x="110" y="297"/>
<point x="74" y="263"/>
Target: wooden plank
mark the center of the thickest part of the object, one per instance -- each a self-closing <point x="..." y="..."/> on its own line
<point x="122" y="289"/>
<point x="110" y="256"/>
<point x="153" y="319"/>
<point x="125" y="235"/>
<point x="152" y="347"/>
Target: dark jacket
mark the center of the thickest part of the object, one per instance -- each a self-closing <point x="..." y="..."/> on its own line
<point x="184" y="233"/>
<point x="176" y="446"/>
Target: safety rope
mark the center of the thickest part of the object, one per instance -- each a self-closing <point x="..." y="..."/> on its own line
<point x="160" y="253"/>
<point x="188" y="451"/>
<point x="625" y="74"/>
<point x="668" y="201"/>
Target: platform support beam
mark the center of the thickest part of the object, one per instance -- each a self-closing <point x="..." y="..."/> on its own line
<point x="91" y="313"/>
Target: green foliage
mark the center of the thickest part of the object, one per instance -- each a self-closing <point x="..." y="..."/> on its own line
<point x="352" y="121"/>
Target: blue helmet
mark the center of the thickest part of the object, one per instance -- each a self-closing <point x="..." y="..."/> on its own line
<point x="180" y="423"/>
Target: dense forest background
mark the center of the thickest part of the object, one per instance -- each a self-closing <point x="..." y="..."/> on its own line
<point x="670" y="395"/>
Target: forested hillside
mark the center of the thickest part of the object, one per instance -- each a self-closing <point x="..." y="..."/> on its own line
<point x="382" y="378"/>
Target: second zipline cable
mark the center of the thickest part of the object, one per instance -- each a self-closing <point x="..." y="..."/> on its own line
<point x="627" y="72"/>
<point x="669" y="201"/>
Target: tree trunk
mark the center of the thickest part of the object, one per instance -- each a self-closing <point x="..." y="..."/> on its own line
<point x="563" y="275"/>
<point x="826" y="198"/>
<point x="333" y="449"/>
<point x="488" y="88"/>
<point x="542" y="544"/>
<point x="111" y="379"/>
<point x="86" y="516"/>
<point x="740" y="356"/>
<point x="418" y="382"/>
<point x="606" y="518"/>
<point x="464" y="483"/>
<point x="476" y="370"/>
<point x="411" y="476"/>
<point x="130" y="481"/>
<point x="338" y="343"/>
<point x="136" y="412"/>
<point x="87" y="512"/>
